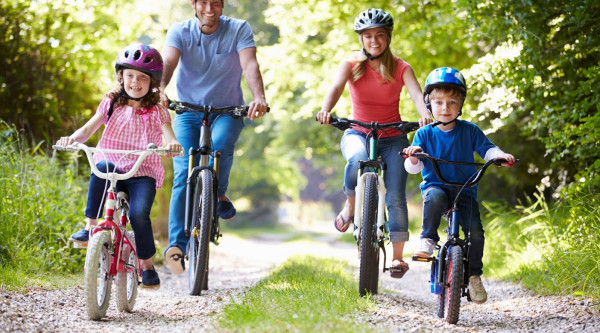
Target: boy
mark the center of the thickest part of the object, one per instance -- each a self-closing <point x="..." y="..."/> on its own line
<point x="455" y="140"/>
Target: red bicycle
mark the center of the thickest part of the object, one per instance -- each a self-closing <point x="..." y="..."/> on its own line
<point x="111" y="253"/>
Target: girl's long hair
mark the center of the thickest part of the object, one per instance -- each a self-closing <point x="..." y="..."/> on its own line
<point x="387" y="66"/>
<point x="151" y="99"/>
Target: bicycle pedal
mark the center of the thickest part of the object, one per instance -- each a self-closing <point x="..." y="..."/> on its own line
<point x="77" y="245"/>
<point x="421" y="259"/>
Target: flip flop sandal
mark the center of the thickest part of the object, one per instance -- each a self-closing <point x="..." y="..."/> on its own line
<point x="345" y="223"/>
<point x="398" y="269"/>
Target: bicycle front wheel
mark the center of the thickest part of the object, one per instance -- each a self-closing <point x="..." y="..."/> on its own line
<point x="204" y="200"/>
<point x="97" y="280"/>
<point x="127" y="279"/>
<point x="368" y="245"/>
<point x="454" y="274"/>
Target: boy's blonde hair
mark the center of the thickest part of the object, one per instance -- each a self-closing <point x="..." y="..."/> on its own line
<point x="447" y="90"/>
<point x="152" y="98"/>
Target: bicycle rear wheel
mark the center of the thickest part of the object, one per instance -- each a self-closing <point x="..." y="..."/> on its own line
<point x="454" y="274"/>
<point x="97" y="280"/>
<point x="127" y="280"/>
<point x="204" y="200"/>
<point x="368" y="245"/>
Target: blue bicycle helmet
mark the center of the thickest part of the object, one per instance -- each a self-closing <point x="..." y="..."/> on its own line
<point x="444" y="77"/>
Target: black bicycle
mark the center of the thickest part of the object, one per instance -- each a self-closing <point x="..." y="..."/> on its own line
<point x="201" y="217"/>
<point x="450" y="267"/>
<point x="370" y="218"/>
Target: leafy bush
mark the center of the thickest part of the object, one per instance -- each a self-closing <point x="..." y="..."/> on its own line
<point x="40" y="207"/>
<point x="551" y="250"/>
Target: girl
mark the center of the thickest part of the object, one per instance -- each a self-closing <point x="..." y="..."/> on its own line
<point x="376" y="78"/>
<point x="133" y="118"/>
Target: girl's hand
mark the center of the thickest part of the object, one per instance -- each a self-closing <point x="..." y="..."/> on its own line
<point x="175" y="146"/>
<point x="65" y="141"/>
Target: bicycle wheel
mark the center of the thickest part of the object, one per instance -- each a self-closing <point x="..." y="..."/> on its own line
<point x="369" y="247"/>
<point x="202" y="219"/>
<point x="454" y="274"/>
<point x="127" y="280"/>
<point x="97" y="280"/>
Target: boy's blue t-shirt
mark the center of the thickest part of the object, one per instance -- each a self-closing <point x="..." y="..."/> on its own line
<point x="458" y="144"/>
<point x="209" y="70"/>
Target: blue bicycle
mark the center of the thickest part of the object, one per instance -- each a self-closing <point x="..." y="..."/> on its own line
<point x="450" y="267"/>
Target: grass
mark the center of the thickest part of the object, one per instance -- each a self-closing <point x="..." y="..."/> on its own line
<point x="305" y="294"/>
<point x="550" y="250"/>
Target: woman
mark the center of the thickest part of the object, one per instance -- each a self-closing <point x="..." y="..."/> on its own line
<point x="376" y="78"/>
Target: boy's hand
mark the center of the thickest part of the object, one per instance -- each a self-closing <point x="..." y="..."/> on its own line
<point x="510" y="160"/>
<point x="409" y="151"/>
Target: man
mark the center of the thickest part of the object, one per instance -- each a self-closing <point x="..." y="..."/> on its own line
<point x="210" y="53"/>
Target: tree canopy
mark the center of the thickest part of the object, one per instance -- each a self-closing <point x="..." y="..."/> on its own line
<point x="531" y="68"/>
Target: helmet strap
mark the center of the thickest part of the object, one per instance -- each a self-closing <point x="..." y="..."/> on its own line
<point x="371" y="57"/>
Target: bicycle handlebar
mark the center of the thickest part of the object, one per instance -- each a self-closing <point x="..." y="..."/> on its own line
<point x="234" y="111"/>
<point x="471" y="183"/>
<point x="89" y="151"/>
<point x="345" y="123"/>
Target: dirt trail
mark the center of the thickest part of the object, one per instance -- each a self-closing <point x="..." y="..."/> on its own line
<point x="405" y="305"/>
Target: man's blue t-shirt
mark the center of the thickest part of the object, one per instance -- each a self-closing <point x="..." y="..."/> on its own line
<point x="458" y="144"/>
<point x="209" y="70"/>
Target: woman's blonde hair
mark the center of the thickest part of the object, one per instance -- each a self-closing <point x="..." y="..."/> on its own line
<point x="387" y="67"/>
<point x="152" y="98"/>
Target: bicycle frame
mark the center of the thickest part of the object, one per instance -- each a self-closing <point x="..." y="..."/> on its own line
<point x="439" y="269"/>
<point x="370" y="202"/>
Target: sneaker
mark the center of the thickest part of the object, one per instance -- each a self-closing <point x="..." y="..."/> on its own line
<point x="150" y="279"/>
<point x="426" y="248"/>
<point x="174" y="260"/>
<point x="81" y="237"/>
<point x="476" y="290"/>
<point x="226" y="210"/>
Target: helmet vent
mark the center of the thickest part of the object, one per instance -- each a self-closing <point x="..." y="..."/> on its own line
<point x="126" y="54"/>
<point x="137" y="54"/>
<point x="147" y="59"/>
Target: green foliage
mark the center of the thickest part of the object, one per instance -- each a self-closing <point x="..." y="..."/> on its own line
<point x="39" y="209"/>
<point x="305" y="294"/>
<point x="551" y="250"/>
<point x="57" y="59"/>
<point x="546" y="79"/>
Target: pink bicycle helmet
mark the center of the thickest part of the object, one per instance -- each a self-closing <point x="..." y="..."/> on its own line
<point x="141" y="57"/>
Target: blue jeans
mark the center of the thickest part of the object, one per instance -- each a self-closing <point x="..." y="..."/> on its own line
<point x="436" y="201"/>
<point x="225" y="133"/>
<point x="354" y="150"/>
<point x="141" y="192"/>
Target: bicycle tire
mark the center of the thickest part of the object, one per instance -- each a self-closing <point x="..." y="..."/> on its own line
<point x="454" y="271"/>
<point x="202" y="219"/>
<point x="127" y="281"/>
<point x="97" y="281"/>
<point x="369" y="248"/>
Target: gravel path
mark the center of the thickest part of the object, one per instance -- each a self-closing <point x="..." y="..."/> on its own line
<point x="405" y="305"/>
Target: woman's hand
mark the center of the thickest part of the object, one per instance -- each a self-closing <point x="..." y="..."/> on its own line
<point x="323" y="117"/>
<point x="424" y="121"/>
